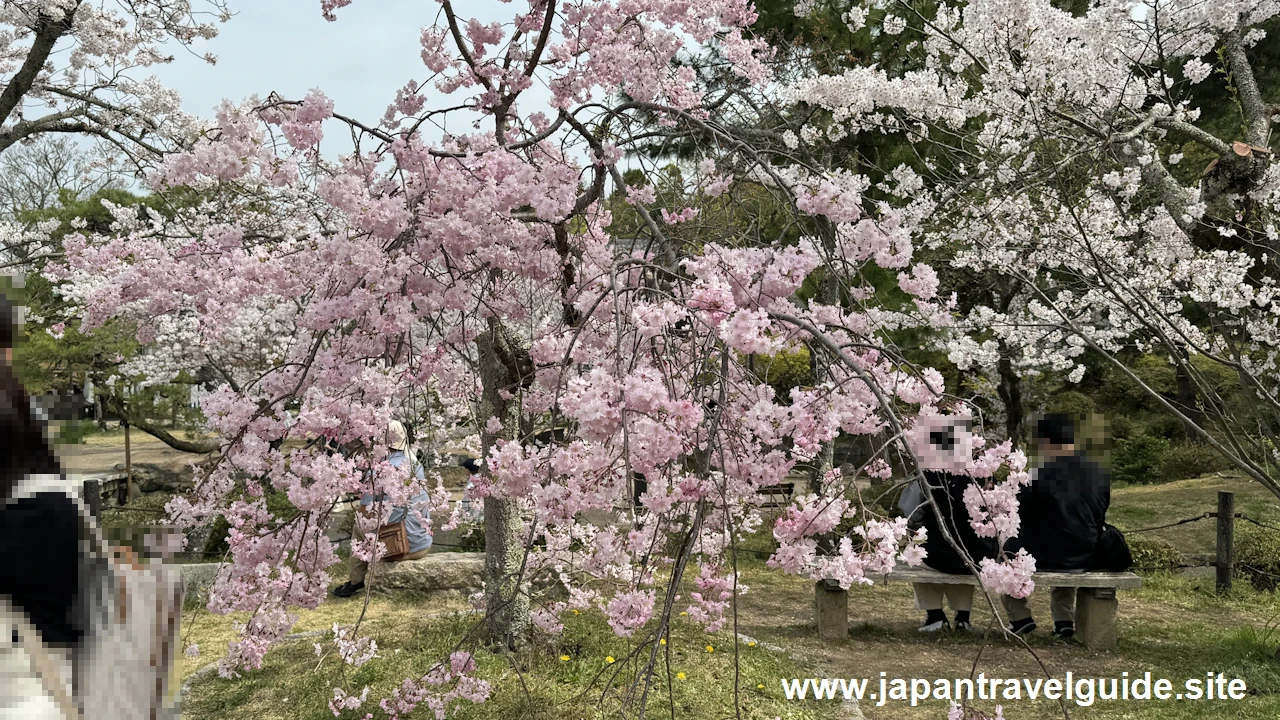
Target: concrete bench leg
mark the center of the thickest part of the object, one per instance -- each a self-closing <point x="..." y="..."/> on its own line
<point x="1096" y="617"/>
<point x="832" y="610"/>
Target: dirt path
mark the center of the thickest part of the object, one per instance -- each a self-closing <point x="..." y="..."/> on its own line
<point x="103" y="451"/>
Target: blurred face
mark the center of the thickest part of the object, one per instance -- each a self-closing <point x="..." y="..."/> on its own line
<point x="942" y="442"/>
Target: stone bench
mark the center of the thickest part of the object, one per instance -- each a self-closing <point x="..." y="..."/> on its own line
<point x="1096" y="603"/>
<point x="439" y="574"/>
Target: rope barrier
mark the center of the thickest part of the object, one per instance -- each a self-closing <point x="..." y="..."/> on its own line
<point x="1205" y="516"/>
<point x="1248" y="519"/>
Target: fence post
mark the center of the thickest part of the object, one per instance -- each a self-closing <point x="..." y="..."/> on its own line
<point x="1226" y="539"/>
<point x="93" y="498"/>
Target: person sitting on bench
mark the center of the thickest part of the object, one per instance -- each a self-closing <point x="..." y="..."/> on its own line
<point x="418" y="537"/>
<point x="942" y="449"/>
<point x="1062" y="512"/>
<point x="947" y="490"/>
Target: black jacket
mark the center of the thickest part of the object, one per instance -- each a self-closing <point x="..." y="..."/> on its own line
<point x="948" y="492"/>
<point x="41" y="564"/>
<point x="1062" y="512"/>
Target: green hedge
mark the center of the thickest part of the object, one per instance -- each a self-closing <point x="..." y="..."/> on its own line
<point x="1258" y="556"/>
<point x="1139" y="459"/>
<point x="1152" y="553"/>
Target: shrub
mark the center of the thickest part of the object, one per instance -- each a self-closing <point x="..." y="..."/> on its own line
<point x="1073" y="403"/>
<point x="1123" y="428"/>
<point x="1152" y="553"/>
<point x="1191" y="460"/>
<point x="1139" y="459"/>
<point x="1258" y="556"/>
<point x="1165" y="426"/>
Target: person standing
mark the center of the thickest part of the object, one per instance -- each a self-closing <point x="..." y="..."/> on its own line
<point x="41" y="572"/>
<point x="1062" y="511"/>
<point x="418" y="536"/>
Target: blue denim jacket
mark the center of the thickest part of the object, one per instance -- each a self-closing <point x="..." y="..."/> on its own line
<point x="419" y="538"/>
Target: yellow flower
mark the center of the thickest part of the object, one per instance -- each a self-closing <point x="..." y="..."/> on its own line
<point x="679" y="676"/>
<point x="564" y="658"/>
<point x="575" y="612"/>
<point x="760" y="686"/>
<point x="610" y="660"/>
<point x="683" y="612"/>
<point x="751" y="644"/>
<point x="710" y="649"/>
<point x="663" y="641"/>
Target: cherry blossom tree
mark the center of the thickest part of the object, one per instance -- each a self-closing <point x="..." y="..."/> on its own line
<point x="472" y="279"/>
<point x="70" y="66"/>
<point x="1053" y="147"/>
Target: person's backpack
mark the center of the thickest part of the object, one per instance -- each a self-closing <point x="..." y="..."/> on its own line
<point x="122" y="670"/>
<point x="1112" y="553"/>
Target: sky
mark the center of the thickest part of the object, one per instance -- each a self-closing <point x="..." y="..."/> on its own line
<point x="286" y="46"/>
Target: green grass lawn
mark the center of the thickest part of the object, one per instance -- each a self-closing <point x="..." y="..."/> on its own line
<point x="573" y="675"/>
<point x="1175" y="627"/>
<point x="1141" y="506"/>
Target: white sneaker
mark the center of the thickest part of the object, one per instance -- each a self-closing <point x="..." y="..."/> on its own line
<point x="935" y="626"/>
<point x="963" y="627"/>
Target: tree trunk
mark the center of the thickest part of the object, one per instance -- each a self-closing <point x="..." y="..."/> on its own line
<point x="1010" y="391"/>
<point x="1187" y="400"/>
<point x="506" y="601"/>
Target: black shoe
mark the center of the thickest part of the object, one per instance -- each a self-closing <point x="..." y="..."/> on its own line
<point x="347" y="589"/>
<point x="1064" y="630"/>
<point x="1022" y="628"/>
<point x="963" y="626"/>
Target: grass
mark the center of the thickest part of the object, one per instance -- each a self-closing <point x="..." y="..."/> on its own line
<point x="569" y="676"/>
<point x="1141" y="506"/>
<point x="1174" y="627"/>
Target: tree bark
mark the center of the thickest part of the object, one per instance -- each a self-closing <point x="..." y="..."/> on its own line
<point x="1187" y="400"/>
<point x="1010" y="392"/>
<point x="502" y="367"/>
<point x="47" y="34"/>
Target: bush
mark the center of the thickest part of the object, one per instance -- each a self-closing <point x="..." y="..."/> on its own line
<point x="1191" y="460"/>
<point x="1258" y="556"/>
<point x="1073" y="403"/>
<point x="1139" y="459"/>
<point x="1165" y="426"/>
<point x="1152" y="553"/>
<point x="1123" y="428"/>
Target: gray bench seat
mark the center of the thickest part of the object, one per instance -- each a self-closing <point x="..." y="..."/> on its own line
<point x="1096" y="603"/>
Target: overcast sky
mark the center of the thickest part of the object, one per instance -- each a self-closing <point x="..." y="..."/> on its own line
<point x="286" y="46"/>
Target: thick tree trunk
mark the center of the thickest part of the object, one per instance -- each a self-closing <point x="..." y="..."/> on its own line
<point x="1010" y="391"/>
<point x="506" y="601"/>
<point x="1187" y="401"/>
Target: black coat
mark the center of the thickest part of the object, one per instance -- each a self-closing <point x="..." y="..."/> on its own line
<point x="948" y="493"/>
<point x="1062" y="513"/>
<point x="41" y="568"/>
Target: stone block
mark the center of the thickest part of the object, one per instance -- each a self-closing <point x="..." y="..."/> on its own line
<point x="832" y="611"/>
<point x="1096" y="610"/>
<point x="439" y="573"/>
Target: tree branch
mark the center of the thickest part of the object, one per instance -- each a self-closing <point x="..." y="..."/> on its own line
<point x="48" y="33"/>
<point x="1255" y="110"/>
